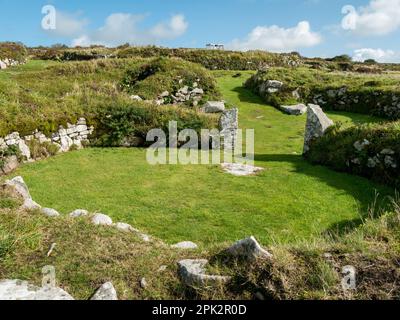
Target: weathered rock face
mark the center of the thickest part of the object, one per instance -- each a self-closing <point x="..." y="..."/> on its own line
<point x="228" y="125"/>
<point x="193" y="273"/>
<point x="22" y="290"/>
<point x="317" y="124"/>
<point x="106" y="292"/>
<point x="295" y="110"/>
<point x="240" y="170"/>
<point x="249" y="249"/>
<point x="214" y="107"/>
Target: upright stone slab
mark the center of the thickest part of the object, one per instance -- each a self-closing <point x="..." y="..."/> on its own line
<point x="317" y="124"/>
<point x="229" y="124"/>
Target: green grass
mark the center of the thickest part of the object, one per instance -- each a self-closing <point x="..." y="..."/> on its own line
<point x="289" y="201"/>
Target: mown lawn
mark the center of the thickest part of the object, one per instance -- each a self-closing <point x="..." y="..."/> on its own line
<point x="290" y="200"/>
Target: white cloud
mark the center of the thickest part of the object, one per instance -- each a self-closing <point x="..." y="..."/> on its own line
<point x="120" y="28"/>
<point x="380" y="17"/>
<point x="176" y="27"/>
<point x="379" y="55"/>
<point x="278" y="39"/>
<point x="68" y="25"/>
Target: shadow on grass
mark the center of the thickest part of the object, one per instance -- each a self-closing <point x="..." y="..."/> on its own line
<point x="245" y="95"/>
<point x="350" y="184"/>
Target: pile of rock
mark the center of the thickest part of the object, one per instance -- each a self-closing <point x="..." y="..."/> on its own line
<point x="183" y="95"/>
<point x="5" y="63"/>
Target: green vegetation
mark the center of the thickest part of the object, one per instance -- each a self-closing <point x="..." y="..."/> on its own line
<point x="163" y="74"/>
<point x="13" y="50"/>
<point x="374" y="94"/>
<point x="371" y="150"/>
<point x="290" y="200"/>
<point x="43" y="95"/>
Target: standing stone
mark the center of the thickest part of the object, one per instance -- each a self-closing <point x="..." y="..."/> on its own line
<point x="229" y="124"/>
<point x="317" y="124"/>
<point x="2" y="65"/>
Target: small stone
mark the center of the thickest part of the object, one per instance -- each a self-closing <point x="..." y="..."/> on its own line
<point x="78" y="213"/>
<point x="143" y="283"/>
<point x="136" y="98"/>
<point x="248" y="248"/>
<point x="106" y="292"/>
<point x="295" y="110"/>
<point x="50" y="212"/>
<point x="162" y="269"/>
<point x="124" y="227"/>
<point x="102" y="219"/>
<point x="241" y="170"/>
<point x="185" y="245"/>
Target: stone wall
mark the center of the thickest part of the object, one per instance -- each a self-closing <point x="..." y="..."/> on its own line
<point x="5" y="63"/>
<point x="65" y="138"/>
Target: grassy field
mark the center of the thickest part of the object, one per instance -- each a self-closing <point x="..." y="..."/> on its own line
<point x="289" y="201"/>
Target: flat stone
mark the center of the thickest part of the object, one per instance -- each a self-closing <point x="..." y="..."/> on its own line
<point x="248" y="248"/>
<point x="106" y="292"/>
<point x="241" y="170"/>
<point x="102" y="219"/>
<point x="193" y="274"/>
<point x="294" y="110"/>
<point x="214" y="107"/>
<point x="50" y="212"/>
<point x="22" y="290"/>
<point x="185" y="245"/>
<point x="79" y="213"/>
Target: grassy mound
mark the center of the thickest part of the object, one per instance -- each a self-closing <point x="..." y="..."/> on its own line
<point x="43" y="95"/>
<point x="169" y="74"/>
<point x="374" y="94"/>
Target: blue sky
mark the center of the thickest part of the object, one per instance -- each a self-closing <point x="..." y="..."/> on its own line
<point x="370" y="29"/>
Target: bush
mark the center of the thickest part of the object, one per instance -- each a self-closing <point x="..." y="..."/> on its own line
<point x="13" y="50"/>
<point x="117" y="122"/>
<point x="372" y="151"/>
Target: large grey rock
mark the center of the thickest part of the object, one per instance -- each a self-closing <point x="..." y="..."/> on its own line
<point x="249" y="249"/>
<point x="106" y="292"/>
<point x="22" y="290"/>
<point x="51" y="213"/>
<point x="10" y="164"/>
<point x="185" y="245"/>
<point x="193" y="274"/>
<point x="240" y="170"/>
<point x="317" y="124"/>
<point x="294" y="110"/>
<point x="102" y="219"/>
<point x="214" y="107"/>
<point x="271" y="86"/>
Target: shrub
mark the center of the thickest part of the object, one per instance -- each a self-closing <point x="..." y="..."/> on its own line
<point x="13" y="50"/>
<point x="372" y="151"/>
<point x="117" y="122"/>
